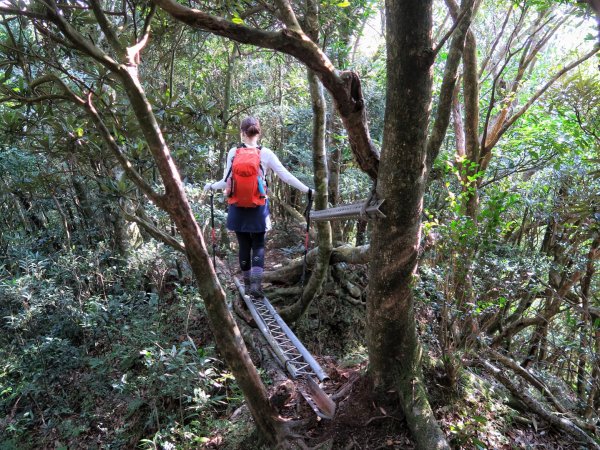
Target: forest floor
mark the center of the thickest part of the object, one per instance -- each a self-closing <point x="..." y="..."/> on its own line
<point x="475" y="415"/>
<point x="135" y="365"/>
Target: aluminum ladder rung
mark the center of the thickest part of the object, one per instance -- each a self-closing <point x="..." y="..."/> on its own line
<point x="366" y="209"/>
<point x="291" y="353"/>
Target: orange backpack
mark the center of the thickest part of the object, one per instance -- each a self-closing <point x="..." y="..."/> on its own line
<point x="246" y="186"/>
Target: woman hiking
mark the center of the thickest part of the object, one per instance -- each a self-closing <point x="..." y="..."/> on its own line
<point x="245" y="189"/>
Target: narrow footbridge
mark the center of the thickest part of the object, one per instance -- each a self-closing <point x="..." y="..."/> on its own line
<point x="290" y="353"/>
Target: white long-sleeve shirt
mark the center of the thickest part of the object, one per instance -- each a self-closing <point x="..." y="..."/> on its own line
<point x="268" y="161"/>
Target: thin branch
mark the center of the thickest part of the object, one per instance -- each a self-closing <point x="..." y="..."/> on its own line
<point x="133" y="52"/>
<point x="541" y="92"/>
<point x="288" y="16"/>
<point x="53" y="36"/>
<point x="251" y="11"/>
<point x="442" y="118"/>
<point x="506" y="47"/>
<point x="85" y="8"/>
<point x="87" y="104"/>
<point x="538" y="47"/>
<point x="38" y="99"/>
<point x="78" y="40"/>
<point x="153" y="231"/>
<point x="455" y="25"/>
<point x="441" y="27"/>
<point x="25" y="13"/>
<point x="107" y="28"/>
<point x="137" y="179"/>
<point x="490" y="54"/>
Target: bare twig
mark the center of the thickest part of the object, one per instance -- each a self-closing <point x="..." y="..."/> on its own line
<point x="457" y="22"/>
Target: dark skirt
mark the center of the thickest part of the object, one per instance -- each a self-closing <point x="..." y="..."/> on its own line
<point x="248" y="220"/>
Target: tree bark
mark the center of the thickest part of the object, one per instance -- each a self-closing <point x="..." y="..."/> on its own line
<point x="394" y="350"/>
<point x="227" y="335"/>
<point x="219" y="167"/>
<point x="334" y="175"/>
<point x="320" y="175"/>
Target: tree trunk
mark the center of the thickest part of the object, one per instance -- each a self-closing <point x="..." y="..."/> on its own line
<point x="64" y="221"/>
<point x="223" y="146"/>
<point x="227" y="335"/>
<point x="394" y="350"/>
<point x="82" y="201"/>
<point x="320" y="174"/>
<point x="334" y="175"/>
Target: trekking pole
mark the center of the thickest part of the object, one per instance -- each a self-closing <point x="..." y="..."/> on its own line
<point x="307" y="216"/>
<point x="212" y="224"/>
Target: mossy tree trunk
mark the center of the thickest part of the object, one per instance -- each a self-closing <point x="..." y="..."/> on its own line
<point x="407" y="155"/>
<point x="394" y="350"/>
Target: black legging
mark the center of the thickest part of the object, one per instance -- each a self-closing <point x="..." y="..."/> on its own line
<point x="254" y="242"/>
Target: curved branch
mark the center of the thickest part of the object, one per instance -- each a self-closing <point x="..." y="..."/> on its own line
<point x="291" y="42"/>
<point x="107" y="29"/>
<point x="155" y="232"/>
<point x="563" y="424"/>
<point x="344" y="87"/>
<point x="133" y="52"/>
<point x="79" y="41"/>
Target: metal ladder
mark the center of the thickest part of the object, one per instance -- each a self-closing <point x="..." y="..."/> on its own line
<point x="368" y="209"/>
<point x="290" y="353"/>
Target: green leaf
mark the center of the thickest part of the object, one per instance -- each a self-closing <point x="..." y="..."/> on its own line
<point x="344" y="4"/>
<point x="480" y="419"/>
<point x="237" y="19"/>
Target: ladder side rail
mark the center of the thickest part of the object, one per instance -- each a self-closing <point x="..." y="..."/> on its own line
<point x="314" y="365"/>
<point x="364" y="210"/>
<point x="283" y="359"/>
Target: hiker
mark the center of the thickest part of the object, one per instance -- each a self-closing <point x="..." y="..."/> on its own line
<point x="246" y="191"/>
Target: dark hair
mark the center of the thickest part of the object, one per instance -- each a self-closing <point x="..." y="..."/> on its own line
<point x="250" y="126"/>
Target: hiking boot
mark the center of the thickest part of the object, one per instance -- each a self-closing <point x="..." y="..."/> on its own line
<point x="256" y="286"/>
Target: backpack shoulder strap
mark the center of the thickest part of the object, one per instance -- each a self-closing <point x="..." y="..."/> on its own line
<point x="259" y="147"/>
<point x="231" y="166"/>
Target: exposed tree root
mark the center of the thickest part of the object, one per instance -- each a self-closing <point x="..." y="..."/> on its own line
<point x="561" y="423"/>
<point x="241" y="310"/>
<point x="346" y="389"/>
<point x="373" y="419"/>
<point x="528" y="376"/>
<point x="420" y="419"/>
<point x="292" y="272"/>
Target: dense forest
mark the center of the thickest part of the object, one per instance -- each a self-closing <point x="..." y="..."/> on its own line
<point x="466" y="315"/>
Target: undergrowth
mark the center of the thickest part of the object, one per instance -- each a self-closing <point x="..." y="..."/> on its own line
<point x="97" y="350"/>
